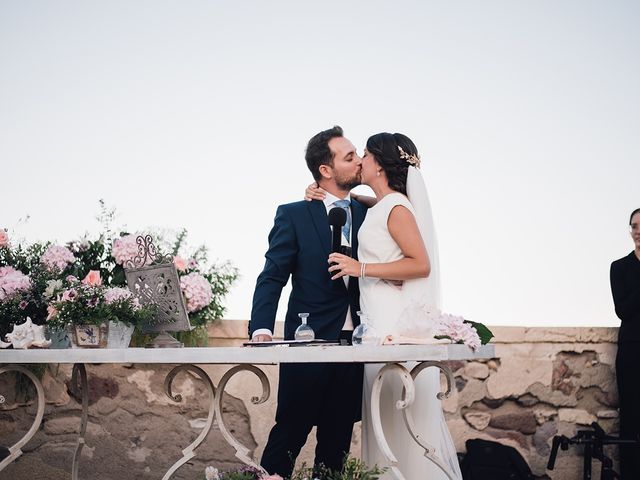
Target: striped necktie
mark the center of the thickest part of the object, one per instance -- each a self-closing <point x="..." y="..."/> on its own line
<point x="346" y="228"/>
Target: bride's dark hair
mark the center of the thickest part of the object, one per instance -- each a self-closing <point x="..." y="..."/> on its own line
<point x="384" y="147"/>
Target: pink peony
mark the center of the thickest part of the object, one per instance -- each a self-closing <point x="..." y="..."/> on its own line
<point x="125" y="249"/>
<point x="197" y="291"/>
<point x="180" y="263"/>
<point x="57" y="257"/>
<point x="92" y="278"/>
<point x="12" y="281"/>
<point x="4" y="238"/>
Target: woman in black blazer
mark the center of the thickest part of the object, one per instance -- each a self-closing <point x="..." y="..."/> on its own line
<point x="625" y="287"/>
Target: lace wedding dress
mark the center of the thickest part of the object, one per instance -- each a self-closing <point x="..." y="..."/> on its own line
<point x="384" y="303"/>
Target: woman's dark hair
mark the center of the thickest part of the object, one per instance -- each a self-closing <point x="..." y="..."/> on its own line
<point x="384" y="147"/>
<point x="318" y="151"/>
<point x="637" y="210"/>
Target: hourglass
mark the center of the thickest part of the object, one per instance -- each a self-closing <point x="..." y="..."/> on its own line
<point x="304" y="331"/>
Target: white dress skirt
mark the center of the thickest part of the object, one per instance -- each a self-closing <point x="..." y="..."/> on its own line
<point x="384" y="303"/>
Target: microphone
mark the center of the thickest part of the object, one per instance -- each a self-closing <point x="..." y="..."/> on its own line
<point x="337" y="218"/>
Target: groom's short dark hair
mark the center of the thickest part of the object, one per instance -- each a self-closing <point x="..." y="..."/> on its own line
<point x="318" y="151"/>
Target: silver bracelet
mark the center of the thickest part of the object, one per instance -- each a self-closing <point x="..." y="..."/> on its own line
<point x="363" y="266"/>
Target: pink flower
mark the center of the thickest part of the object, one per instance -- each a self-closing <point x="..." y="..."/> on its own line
<point x="116" y="294"/>
<point x="51" y="312"/>
<point x="124" y="249"/>
<point x="71" y="279"/>
<point x="92" y="278"/>
<point x="57" y="257"/>
<point x="180" y="263"/>
<point x="192" y="263"/>
<point x="4" y="238"/>
<point x="455" y="328"/>
<point x="12" y="281"/>
<point x="197" y="291"/>
<point x="271" y="477"/>
<point x="69" y="295"/>
<point x="23" y="304"/>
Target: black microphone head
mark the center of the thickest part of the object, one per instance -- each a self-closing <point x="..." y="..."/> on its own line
<point x="337" y="217"/>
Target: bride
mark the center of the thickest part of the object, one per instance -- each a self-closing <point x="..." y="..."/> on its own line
<point x="397" y="270"/>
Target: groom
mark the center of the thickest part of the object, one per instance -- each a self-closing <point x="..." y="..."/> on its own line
<point x="327" y="395"/>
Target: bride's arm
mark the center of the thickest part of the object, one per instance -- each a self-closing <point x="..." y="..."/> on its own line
<point x="404" y="231"/>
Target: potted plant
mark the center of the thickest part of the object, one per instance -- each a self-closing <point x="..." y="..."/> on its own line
<point x="96" y="315"/>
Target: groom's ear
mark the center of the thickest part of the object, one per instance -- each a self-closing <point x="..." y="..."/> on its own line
<point x="325" y="171"/>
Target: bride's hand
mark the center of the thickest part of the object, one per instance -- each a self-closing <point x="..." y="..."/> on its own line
<point x="314" y="192"/>
<point x="345" y="265"/>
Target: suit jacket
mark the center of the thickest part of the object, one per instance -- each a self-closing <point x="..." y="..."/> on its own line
<point x="625" y="287"/>
<point x="299" y="244"/>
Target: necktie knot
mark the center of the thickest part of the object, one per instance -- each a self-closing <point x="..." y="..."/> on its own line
<point x="346" y="228"/>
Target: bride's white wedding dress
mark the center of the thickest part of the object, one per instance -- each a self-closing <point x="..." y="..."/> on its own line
<point x="384" y="303"/>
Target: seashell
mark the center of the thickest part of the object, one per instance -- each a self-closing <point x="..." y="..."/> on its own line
<point x="27" y="335"/>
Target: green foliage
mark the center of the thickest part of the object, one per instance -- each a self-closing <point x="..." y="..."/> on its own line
<point x="483" y="332"/>
<point x="353" y="469"/>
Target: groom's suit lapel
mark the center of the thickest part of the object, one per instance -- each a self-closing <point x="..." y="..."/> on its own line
<point x="321" y="223"/>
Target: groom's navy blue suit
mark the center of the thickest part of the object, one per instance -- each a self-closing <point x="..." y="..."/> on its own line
<point x="326" y="395"/>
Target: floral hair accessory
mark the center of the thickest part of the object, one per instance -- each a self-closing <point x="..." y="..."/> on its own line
<point x="410" y="159"/>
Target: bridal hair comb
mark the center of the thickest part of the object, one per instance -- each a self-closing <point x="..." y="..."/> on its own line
<point x="410" y="159"/>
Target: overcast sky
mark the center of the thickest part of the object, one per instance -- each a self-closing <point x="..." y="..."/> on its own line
<point x="196" y="114"/>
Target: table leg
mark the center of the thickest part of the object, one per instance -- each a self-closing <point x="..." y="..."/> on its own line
<point x="408" y="397"/>
<point x="189" y="452"/>
<point x="79" y="370"/>
<point x="242" y="452"/>
<point x="15" y="450"/>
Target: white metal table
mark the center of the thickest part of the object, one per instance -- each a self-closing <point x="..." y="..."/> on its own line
<point x="245" y="359"/>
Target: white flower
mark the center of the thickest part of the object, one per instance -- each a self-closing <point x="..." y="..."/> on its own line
<point x="211" y="473"/>
<point x="52" y="287"/>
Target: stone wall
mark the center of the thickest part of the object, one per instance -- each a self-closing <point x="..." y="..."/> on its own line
<point x="544" y="382"/>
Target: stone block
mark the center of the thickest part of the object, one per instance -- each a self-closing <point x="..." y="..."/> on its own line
<point x="542" y="437"/>
<point x="575" y="416"/>
<point x="543" y="415"/>
<point x="523" y="422"/>
<point x="607" y="414"/>
<point x="516" y="375"/>
<point x="478" y="420"/>
<point x="476" y="370"/>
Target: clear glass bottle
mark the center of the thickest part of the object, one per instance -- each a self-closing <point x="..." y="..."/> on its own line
<point x="365" y="334"/>
<point x="304" y="331"/>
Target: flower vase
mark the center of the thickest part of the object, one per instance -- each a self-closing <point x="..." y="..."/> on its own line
<point x="59" y="338"/>
<point x="119" y="335"/>
<point x="89" y="336"/>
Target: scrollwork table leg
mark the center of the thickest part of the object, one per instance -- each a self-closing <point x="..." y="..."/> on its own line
<point x="16" y="450"/>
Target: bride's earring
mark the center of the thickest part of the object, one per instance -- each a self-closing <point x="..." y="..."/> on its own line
<point x="378" y="173"/>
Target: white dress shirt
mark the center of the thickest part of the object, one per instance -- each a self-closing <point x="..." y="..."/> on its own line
<point x="328" y="201"/>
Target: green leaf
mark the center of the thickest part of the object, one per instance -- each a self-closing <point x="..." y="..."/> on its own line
<point x="483" y="332"/>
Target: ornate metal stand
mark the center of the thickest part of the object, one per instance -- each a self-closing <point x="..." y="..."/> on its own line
<point x="242" y="452"/>
<point x="15" y="450"/>
<point x="408" y="397"/>
<point x="80" y="370"/>
<point x="189" y="452"/>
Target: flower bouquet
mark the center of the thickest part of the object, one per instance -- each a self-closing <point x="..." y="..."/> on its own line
<point x="96" y="315"/>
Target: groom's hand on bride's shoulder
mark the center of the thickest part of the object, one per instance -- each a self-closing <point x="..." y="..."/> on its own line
<point x="314" y="192"/>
